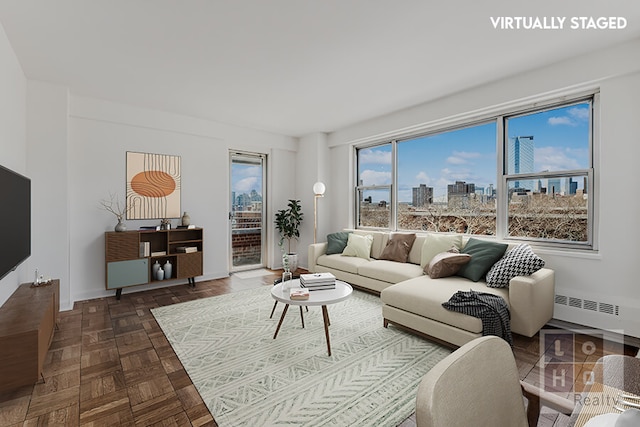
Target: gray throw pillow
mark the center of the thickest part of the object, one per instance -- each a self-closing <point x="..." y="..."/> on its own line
<point x="336" y="242"/>
<point x="483" y="255"/>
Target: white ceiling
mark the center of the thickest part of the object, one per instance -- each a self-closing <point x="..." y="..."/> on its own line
<point x="292" y="67"/>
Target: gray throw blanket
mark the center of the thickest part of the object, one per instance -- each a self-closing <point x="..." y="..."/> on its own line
<point x="491" y="309"/>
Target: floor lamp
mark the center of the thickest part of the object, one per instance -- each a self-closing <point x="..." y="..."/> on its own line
<point x="318" y="191"/>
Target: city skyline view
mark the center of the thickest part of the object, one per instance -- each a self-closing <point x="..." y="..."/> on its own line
<point x="560" y="143"/>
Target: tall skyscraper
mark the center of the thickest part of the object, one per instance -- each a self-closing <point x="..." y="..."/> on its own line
<point x="520" y="159"/>
<point x="422" y="195"/>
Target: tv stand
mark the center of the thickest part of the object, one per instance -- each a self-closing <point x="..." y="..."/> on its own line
<point x="27" y="322"/>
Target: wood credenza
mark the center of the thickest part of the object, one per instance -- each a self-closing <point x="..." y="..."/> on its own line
<point x="27" y="323"/>
<point x="126" y="264"/>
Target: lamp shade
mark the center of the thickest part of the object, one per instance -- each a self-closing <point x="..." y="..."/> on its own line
<point x="318" y="188"/>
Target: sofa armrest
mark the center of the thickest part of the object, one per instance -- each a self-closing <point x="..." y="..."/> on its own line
<point x="531" y="299"/>
<point x="315" y="250"/>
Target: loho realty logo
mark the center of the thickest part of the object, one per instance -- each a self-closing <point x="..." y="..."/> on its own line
<point x="570" y="357"/>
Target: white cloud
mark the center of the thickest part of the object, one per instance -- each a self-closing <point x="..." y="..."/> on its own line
<point x="556" y="159"/>
<point x="467" y="154"/>
<point x="371" y="177"/>
<point x="250" y="171"/>
<point x="423" y="178"/>
<point x="563" y="120"/>
<point x="375" y="156"/>
<point x="581" y="114"/>
<point x="576" y="115"/>
<point x="245" y="185"/>
<point x="453" y="160"/>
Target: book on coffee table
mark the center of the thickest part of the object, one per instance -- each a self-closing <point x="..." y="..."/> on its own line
<point x="317" y="278"/>
<point x="298" y="294"/>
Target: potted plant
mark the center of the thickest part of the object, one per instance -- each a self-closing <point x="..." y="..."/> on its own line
<point x="288" y="225"/>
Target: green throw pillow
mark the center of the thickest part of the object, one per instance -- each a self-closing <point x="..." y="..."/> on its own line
<point x="336" y="242"/>
<point x="483" y="255"/>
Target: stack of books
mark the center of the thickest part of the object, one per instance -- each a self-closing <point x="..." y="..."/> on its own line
<point x="187" y="249"/>
<point x="299" y="294"/>
<point x="318" y="281"/>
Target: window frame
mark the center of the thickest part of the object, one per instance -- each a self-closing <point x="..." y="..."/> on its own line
<point x="500" y="116"/>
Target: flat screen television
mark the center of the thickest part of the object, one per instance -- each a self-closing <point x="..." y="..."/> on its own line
<point x="15" y="220"/>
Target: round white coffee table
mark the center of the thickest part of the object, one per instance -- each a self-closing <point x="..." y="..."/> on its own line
<point x="322" y="298"/>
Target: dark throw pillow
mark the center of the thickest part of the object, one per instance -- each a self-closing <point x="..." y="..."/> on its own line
<point x="483" y="255"/>
<point x="398" y="247"/>
<point x="519" y="261"/>
<point x="336" y="242"/>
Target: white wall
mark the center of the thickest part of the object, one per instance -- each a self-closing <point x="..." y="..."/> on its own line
<point x="608" y="275"/>
<point x="83" y="143"/>
<point x="13" y="153"/>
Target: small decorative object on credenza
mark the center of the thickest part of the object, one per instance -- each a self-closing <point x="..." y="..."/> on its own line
<point x="113" y="205"/>
<point x="318" y="281"/>
<point x="168" y="269"/>
<point x="160" y="274"/>
<point x="186" y="219"/>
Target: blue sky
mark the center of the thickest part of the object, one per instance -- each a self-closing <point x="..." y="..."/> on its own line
<point x="246" y="177"/>
<point x="561" y="138"/>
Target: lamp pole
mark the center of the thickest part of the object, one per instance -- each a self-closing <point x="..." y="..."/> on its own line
<point x="318" y="191"/>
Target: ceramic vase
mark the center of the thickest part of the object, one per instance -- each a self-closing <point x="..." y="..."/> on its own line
<point x="168" y="269"/>
<point x="186" y="219"/>
<point x="160" y="274"/>
<point x="154" y="269"/>
<point x="120" y="226"/>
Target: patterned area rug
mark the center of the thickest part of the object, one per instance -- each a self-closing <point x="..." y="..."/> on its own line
<point x="246" y="378"/>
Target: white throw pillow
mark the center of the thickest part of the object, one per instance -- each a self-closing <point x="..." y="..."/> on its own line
<point x="436" y="243"/>
<point x="359" y="246"/>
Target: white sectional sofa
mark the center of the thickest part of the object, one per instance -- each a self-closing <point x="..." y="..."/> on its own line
<point x="414" y="300"/>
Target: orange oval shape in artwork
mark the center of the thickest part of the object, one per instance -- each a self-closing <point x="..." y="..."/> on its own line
<point x="153" y="184"/>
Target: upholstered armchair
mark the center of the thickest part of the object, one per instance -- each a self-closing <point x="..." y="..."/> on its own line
<point x="478" y="385"/>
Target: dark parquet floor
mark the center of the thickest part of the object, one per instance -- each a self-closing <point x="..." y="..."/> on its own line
<point x="110" y="364"/>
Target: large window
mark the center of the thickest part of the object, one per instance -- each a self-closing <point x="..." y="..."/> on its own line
<point x="526" y="175"/>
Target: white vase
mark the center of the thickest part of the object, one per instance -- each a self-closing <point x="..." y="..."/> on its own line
<point x="154" y="269"/>
<point x="168" y="269"/>
<point x="160" y="274"/>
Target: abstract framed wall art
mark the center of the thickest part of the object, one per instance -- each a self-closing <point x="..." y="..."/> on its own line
<point x="153" y="186"/>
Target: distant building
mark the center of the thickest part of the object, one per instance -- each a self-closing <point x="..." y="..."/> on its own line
<point x="554" y="186"/>
<point x="422" y="196"/>
<point x="458" y="194"/>
<point x="520" y="159"/>
<point x="573" y="186"/>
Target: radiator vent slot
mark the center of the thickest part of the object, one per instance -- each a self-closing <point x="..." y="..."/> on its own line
<point x="606" y="308"/>
<point x="561" y="299"/>
<point x="590" y="305"/>
<point x="575" y="302"/>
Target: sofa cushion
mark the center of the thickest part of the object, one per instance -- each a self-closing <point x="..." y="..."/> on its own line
<point x="483" y="255"/>
<point x="519" y="261"/>
<point x="389" y="271"/>
<point x="424" y="296"/>
<point x="435" y="243"/>
<point x="358" y="246"/>
<point x="336" y="242"/>
<point x="342" y="263"/>
<point x="380" y="239"/>
<point x="446" y="264"/>
<point x="415" y="254"/>
<point x="398" y="247"/>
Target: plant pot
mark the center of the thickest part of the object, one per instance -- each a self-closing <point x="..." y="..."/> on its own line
<point x="293" y="261"/>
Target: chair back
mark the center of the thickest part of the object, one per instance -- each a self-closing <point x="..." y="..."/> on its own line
<point x="476" y="385"/>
